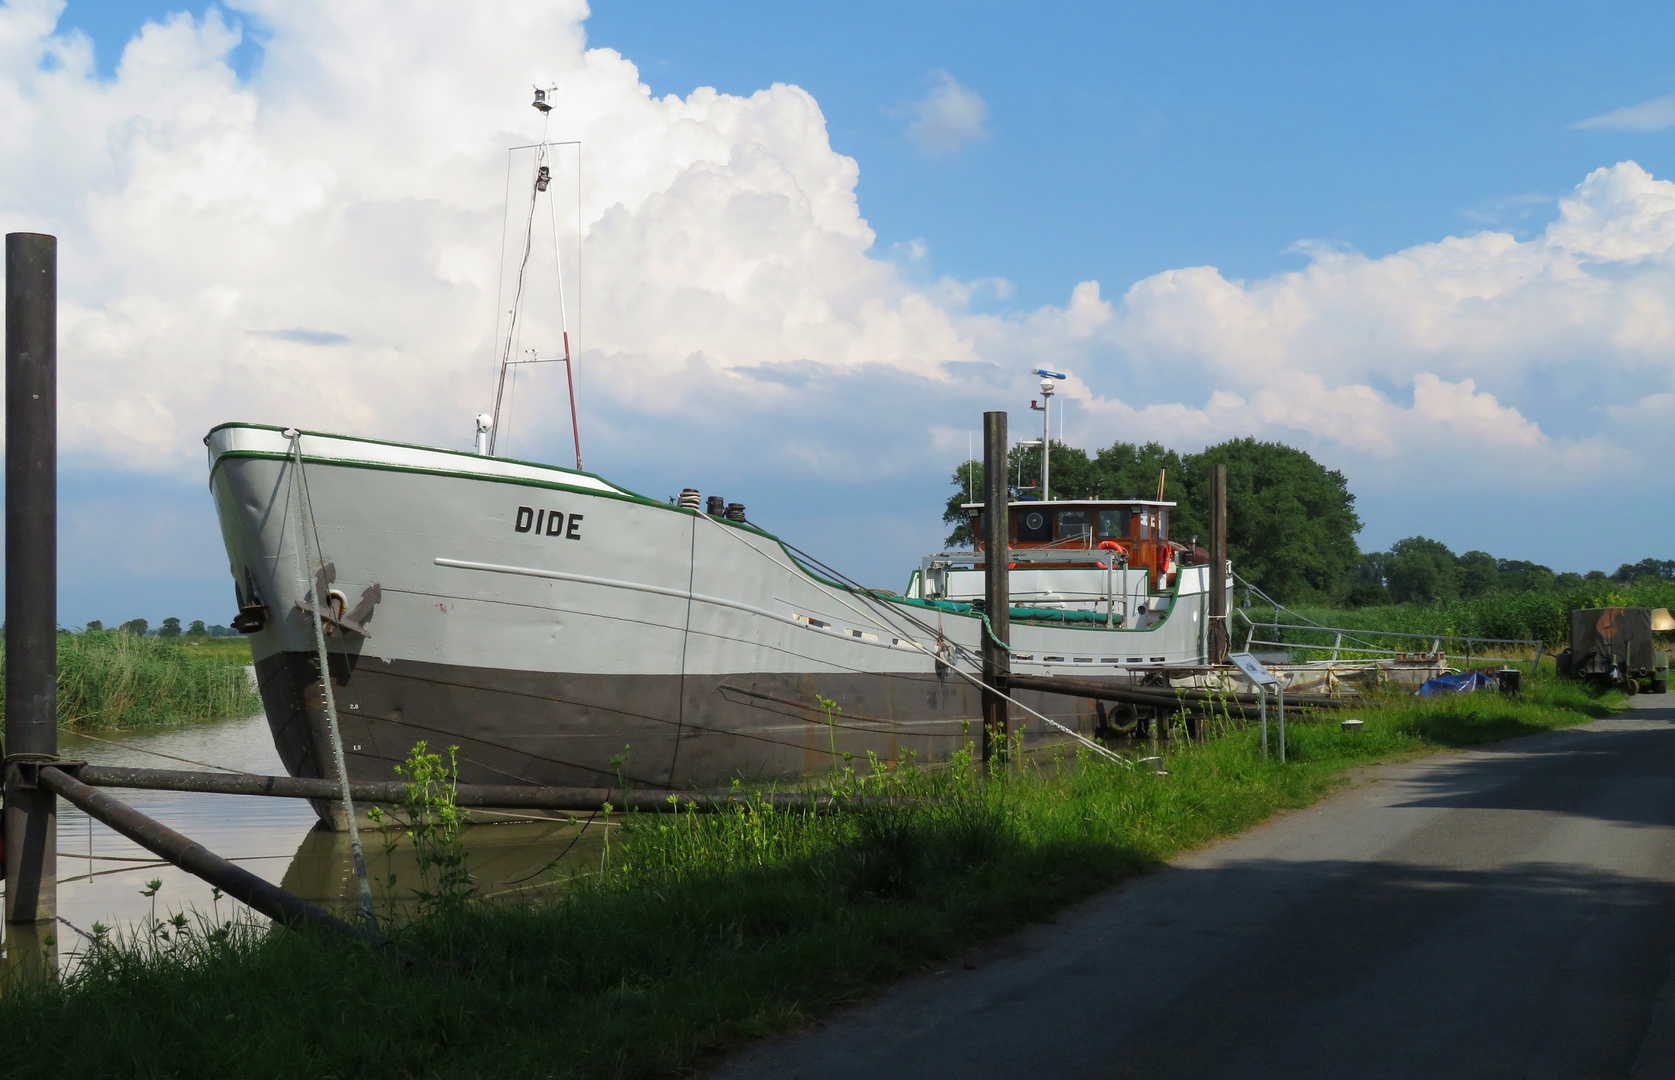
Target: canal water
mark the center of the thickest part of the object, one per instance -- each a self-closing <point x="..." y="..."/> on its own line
<point x="103" y="877"/>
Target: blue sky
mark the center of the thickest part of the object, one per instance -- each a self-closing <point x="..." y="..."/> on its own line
<point x="1117" y="142"/>
<point x="1132" y="138"/>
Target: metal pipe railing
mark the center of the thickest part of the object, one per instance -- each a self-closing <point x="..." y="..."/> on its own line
<point x="1366" y="637"/>
<point x="1243" y="705"/>
<point x="1386" y="633"/>
<point x="501" y="796"/>
<point x="195" y="859"/>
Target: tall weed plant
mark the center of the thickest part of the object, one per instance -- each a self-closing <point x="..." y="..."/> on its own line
<point x="108" y="679"/>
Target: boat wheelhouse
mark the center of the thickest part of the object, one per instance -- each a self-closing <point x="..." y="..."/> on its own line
<point x="1108" y="562"/>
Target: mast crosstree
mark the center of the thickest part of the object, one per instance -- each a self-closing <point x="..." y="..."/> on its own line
<point x="541" y="183"/>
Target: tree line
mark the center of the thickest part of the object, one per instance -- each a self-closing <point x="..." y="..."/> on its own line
<point x="1420" y="570"/>
<point x="169" y="629"/>
<point x="1291" y="523"/>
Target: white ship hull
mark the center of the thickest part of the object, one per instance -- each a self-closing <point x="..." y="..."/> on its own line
<point x="632" y="638"/>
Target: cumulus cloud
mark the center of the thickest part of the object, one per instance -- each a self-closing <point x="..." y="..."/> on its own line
<point x="948" y="117"/>
<point x="1653" y="115"/>
<point x="319" y="245"/>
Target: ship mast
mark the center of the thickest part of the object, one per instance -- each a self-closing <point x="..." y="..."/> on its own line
<point x="1045" y="409"/>
<point x="541" y="183"/>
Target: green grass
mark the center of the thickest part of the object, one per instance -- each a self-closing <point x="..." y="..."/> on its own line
<point x="230" y="649"/>
<point x="1526" y="616"/>
<point x="707" y="932"/>
<point x="109" y="680"/>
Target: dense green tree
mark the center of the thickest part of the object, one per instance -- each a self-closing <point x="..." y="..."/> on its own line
<point x="95" y="624"/>
<point x="1131" y="471"/>
<point x="135" y="626"/>
<point x="1291" y="522"/>
<point x="1366" y="594"/>
<point x="1476" y="573"/>
<point x="1518" y="575"/>
<point x="1421" y="570"/>
<point x="1369" y="569"/>
<point x="1366" y="581"/>
<point x="197" y="628"/>
<point x="1645" y="568"/>
<point x="170" y="628"/>
<point x="968" y="487"/>
<point x="1070" y="476"/>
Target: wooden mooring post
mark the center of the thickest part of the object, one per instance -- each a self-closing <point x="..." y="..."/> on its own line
<point x="1220" y="631"/>
<point x="31" y="731"/>
<point x="997" y="598"/>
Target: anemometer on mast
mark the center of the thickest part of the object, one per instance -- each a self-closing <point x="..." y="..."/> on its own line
<point x="488" y="424"/>
<point x="1049" y="382"/>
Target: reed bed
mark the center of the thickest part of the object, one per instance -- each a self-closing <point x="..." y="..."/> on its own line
<point x="108" y="679"/>
<point x="690" y="935"/>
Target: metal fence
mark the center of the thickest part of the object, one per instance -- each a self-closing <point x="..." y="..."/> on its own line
<point x="1373" y="644"/>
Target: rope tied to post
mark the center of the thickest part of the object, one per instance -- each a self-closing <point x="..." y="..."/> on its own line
<point x="305" y="512"/>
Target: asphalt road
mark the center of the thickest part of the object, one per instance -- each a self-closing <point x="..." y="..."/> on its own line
<point x="1508" y="912"/>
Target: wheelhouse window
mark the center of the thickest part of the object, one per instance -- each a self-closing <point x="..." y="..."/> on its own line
<point x="1151" y="523"/>
<point x="1075" y="525"/>
<point x="1034" y="526"/>
<point x="1113" y="524"/>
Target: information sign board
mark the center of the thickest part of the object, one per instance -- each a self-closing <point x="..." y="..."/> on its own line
<point x="1253" y="669"/>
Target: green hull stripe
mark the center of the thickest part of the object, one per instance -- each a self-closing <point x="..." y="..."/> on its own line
<point x="620" y="494"/>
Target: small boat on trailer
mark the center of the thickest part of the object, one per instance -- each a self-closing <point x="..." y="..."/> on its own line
<point x="563" y="630"/>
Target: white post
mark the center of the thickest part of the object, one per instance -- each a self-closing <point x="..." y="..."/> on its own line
<point x="1047" y="378"/>
<point x="1046" y="431"/>
<point x="1262" y="712"/>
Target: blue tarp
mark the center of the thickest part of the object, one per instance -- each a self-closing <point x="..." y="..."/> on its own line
<point x="1463" y="683"/>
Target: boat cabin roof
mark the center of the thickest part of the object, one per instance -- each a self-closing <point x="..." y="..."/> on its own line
<point x="1037" y="504"/>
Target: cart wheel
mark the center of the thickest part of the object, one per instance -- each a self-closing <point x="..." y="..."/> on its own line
<point x="1631" y="687"/>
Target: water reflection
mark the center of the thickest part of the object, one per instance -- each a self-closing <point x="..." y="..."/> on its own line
<point x="101" y="874"/>
<point x="510" y="861"/>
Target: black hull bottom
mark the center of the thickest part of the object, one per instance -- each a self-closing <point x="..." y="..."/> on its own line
<point x="668" y="731"/>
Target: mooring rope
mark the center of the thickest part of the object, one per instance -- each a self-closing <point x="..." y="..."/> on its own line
<point x="883" y="624"/>
<point x="159" y="753"/>
<point x="305" y="506"/>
